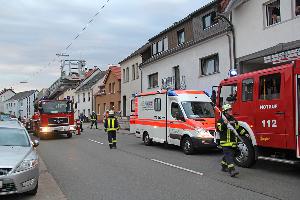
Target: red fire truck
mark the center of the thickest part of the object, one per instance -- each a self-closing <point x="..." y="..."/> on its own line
<point x="54" y="117"/>
<point x="267" y="105"/>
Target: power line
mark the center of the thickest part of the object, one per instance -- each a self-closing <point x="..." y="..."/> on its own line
<point x="62" y="52"/>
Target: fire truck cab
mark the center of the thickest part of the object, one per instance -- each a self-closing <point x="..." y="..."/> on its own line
<point x="267" y="104"/>
<point x="179" y="117"/>
<point x="54" y="117"/>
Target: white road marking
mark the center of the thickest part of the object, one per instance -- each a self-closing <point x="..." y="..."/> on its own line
<point x="178" y="167"/>
<point x="95" y="141"/>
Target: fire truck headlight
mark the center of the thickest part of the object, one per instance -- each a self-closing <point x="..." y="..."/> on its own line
<point x="44" y="129"/>
<point x="72" y="128"/>
<point x="203" y="134"/>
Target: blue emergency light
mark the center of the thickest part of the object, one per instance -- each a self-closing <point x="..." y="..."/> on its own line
<point x="172" y="93"/>
<point x="232" y="72"/>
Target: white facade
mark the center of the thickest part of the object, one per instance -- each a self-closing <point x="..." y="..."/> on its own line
<point x="21" y="107"/>
<point x="131" y="82"/>
<point x="252" y="28"/>
<point x="189" y="63"/>
<point x="85" y="98"/>
<point x="5" y="95"/>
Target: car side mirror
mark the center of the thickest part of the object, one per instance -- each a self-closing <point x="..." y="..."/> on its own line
<point x="35" y="143"/>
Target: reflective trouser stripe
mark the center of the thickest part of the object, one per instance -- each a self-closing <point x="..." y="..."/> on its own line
<point x="223" y="163"/>
<point x="114" y="141"/>
<point x="231" y="166"/>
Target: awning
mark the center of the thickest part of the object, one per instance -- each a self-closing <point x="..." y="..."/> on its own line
<point x="233" y="4"/>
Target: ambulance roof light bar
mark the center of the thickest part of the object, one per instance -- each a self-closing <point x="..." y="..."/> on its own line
<point x="172" y="93"/>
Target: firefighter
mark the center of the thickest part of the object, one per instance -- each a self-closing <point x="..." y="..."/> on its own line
<point x="94" y="120"/>
<point x="228" y="140"/>
<point x="111" y="126"/>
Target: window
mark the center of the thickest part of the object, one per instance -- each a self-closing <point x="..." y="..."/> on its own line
<point x="273" y="13"/>
<point x="166" y="43"/>
<point x="269" y="87"/>
<point x="247" y="90"/>
<point x="78" y="99"/>
<point x="176" y="78"/>
<point x="83" y="94"/>
<point x="209" y="20"/>
<point x="197" y="109"/>
<point x="113" y="88"/>
<point x="154" y="49"/>
<point x="176" y="111"/>
<point x="157" y="104"/>
<point x="209" y="65"/>
<point x="89" y="96"/>
<point x="89" y="112"/>
<point x="297" y="8"/>
<point x="132" y="105"/>
<point x="133" y="72"/>
<point x="137" y="71"/>
<point x="228" y="94"/>
<point x="109" y="88"/>
<point x="159" y="46"/>
<point x="153" y="80"/>
<point x="127" y="74"/>
<point x="83" y="111"/>
<point x="180" y="36"/>
<point x="124" y="76"/>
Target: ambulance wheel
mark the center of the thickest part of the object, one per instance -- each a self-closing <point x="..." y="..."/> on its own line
<point x="187" y="146"/>
<point x="245" y="154"/>
<point x="147" y="140"/>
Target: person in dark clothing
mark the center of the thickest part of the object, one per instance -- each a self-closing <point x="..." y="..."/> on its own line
<point x="94" y="120"/>
<point x="111" y="126"/>
<point x="81" y="119"/>
<point x="228" y="139"/>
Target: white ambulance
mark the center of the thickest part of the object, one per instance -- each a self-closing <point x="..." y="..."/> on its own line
<point x="179" y="117"/>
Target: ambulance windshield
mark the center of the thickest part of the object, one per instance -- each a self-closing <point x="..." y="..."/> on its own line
<point x="197" y="109"/>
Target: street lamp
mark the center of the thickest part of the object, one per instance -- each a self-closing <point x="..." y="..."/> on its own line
<point x="222" y="17"/>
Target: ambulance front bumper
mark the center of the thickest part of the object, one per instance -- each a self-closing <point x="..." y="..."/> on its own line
<point x="203" y="143"/>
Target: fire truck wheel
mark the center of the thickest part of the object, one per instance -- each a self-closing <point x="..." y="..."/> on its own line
<point x="187" y="146"/>
<point x="147" y="139"/>
<point x="245" y="154"/>
<point x="69" y="135"/>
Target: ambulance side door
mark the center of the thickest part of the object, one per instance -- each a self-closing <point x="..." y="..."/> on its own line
<point x="270" y="129"/>
<point x="175" y="122"/>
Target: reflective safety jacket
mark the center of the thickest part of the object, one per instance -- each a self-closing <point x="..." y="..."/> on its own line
<point x="93" y="117"/>
<point x="111" y="124"/>
<point x="227" y="136"/>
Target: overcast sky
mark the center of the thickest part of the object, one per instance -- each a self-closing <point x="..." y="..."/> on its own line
<point x="33" y="31"/>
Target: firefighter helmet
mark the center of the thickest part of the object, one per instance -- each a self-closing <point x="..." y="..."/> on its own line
<point x="226" y="107"/>
<point x="111" y="112"/>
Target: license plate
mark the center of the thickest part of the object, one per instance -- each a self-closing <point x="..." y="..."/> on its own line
<point x="1" y="184"/>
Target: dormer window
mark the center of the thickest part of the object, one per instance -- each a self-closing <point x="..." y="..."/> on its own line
<point x="209" y="20"/>
<point x="180" y="36"/>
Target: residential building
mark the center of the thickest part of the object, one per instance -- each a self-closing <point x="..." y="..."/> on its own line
<point x="108" y="96"/>
<point x="267" y="31"/>
<point x="21" y="104"/>
<point x="131" y="79"/>
<point x="5" y="94"/>
<point x="84" y="94"/>
<point x="194" y="53"/>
